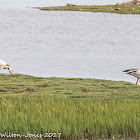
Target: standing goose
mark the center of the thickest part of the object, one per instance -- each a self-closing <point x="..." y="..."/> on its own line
<point x="4" y="65"/>
<point x="134" y="72"/>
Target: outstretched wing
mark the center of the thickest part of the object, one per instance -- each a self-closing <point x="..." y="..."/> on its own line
<point x="133" y="72"/>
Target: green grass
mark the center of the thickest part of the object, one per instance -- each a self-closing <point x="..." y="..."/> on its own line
<point x="75" y="107"/>
<point x="120" y="9"/>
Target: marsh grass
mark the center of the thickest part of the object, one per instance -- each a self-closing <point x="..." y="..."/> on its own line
<point x="120" y="9"/>
<point x="78" y="108"/>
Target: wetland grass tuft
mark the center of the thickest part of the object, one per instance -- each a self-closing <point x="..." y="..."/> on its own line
<point x="77" y="108"/>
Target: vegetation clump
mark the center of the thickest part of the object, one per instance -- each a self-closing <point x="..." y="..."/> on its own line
<point x="75" y="107"/>
<point x="124" y="8"/>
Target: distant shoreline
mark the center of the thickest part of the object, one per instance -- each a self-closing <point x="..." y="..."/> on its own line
<point x="118" y="8"/>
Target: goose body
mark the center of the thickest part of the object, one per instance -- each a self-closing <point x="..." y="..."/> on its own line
<point x="134" y="72"/>
<point x="4" y="65"/>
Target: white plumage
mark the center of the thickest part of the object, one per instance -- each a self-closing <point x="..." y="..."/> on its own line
<point x="134" y="72"/>
<point x="4" y="65"/>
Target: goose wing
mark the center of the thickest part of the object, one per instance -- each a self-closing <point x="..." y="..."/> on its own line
<point x="1" y="66"/>
<point x="2" y="62"/>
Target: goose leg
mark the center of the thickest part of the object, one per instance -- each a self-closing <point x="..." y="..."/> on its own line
<point x="137" y="81"/>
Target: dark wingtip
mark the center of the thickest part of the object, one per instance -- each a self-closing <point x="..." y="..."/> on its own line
<point x="125" y="70"/>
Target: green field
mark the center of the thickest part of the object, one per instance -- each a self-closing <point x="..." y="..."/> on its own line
<point x="120" y="9"/>
<point x="75" y="107"/>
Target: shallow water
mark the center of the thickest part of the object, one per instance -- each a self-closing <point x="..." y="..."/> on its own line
<point x="70" y="44"/>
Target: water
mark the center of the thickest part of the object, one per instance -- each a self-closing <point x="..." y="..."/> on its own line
<point x="70" y="44"/>
<point x="35" y="3"/>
